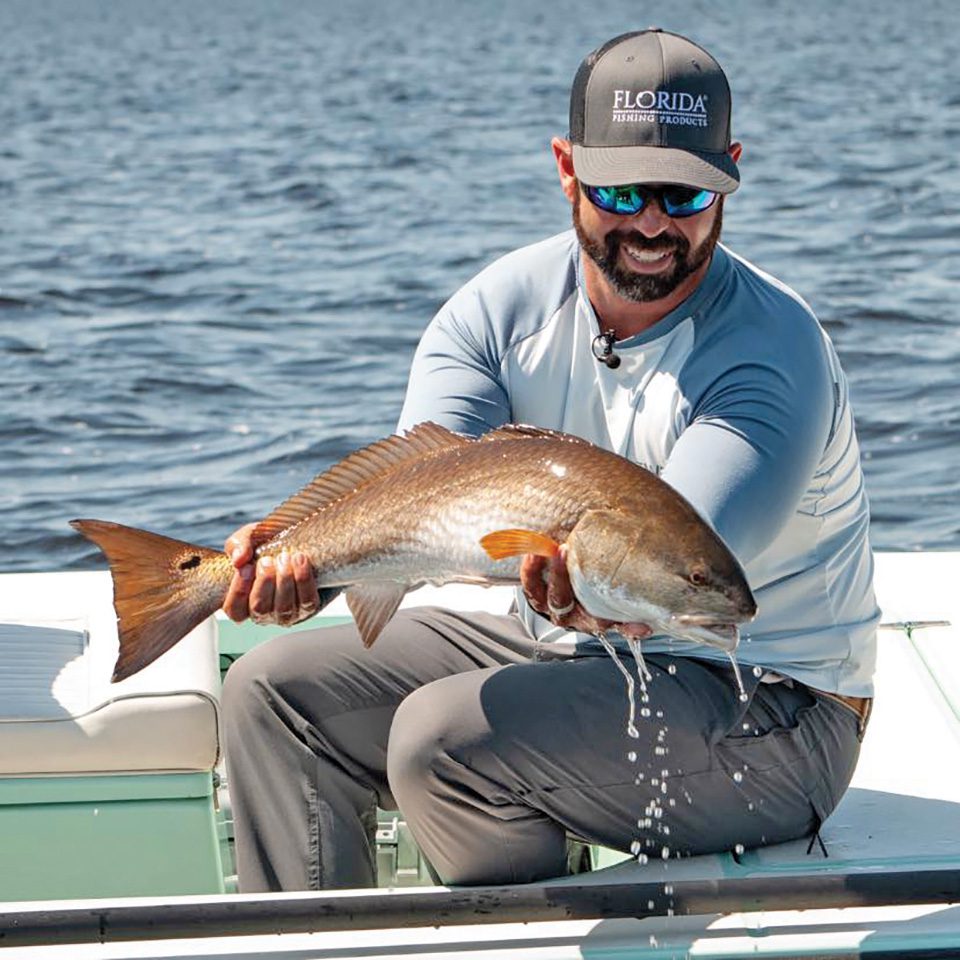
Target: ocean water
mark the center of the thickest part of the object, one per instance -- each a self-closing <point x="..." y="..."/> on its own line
<point x="225" y="225"/>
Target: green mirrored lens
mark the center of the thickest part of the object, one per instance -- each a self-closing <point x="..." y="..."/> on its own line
<point x="624" y="200"/>
<point x="685" y="201"/>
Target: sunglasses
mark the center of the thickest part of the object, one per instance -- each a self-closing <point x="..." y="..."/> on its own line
<point x="675" y="200"/>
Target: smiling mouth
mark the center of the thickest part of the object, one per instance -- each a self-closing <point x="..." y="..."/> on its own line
<point x="647" y="258"/>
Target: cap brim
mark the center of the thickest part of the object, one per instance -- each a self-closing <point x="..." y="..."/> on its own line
<point x="614" y="166"/>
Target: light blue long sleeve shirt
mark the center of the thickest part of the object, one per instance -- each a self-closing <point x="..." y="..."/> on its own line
<point x="736" y="398"/>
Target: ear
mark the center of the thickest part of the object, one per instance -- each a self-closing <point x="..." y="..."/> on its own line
<point x="563" y="154"/>
<point x="735" y="149"/>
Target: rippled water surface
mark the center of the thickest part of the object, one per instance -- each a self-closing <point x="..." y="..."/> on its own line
<point x="226" y="224"/>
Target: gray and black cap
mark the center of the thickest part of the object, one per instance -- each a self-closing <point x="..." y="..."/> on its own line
<point x="652" y="107"/>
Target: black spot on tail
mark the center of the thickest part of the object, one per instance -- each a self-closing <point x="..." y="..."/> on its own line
<point x="194" y="561"/>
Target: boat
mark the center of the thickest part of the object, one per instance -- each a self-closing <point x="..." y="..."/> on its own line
<point x="116" y="835"/>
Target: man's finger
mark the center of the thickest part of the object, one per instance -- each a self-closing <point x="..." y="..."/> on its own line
<point x="560" y="599"/>
<point x="236" y="602"/>
<point x="308" y="597"/>
<point x="263" y="592"/>
<point x="285" y="591"/>
<point x="238" y="546"/>
<point x="532" y="570"/>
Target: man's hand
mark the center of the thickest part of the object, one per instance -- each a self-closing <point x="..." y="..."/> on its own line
<point x="546" y="583"/>
<point x="281" y="590"/>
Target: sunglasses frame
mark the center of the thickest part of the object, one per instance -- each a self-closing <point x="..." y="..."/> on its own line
<point x="648" y="193"/>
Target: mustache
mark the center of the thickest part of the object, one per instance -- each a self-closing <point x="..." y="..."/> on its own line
<point x="638" y="241"/>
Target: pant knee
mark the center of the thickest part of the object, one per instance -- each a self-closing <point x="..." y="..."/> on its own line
<point x="242" y="687"/>
<point x="416" y="750"/>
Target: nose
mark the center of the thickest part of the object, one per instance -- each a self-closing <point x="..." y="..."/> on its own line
<point x="651" y="221"/>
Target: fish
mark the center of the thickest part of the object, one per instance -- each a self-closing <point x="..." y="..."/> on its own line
<point x="434" y="506"/>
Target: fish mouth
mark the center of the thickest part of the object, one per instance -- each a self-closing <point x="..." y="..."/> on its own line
<point x="717" y="633"/>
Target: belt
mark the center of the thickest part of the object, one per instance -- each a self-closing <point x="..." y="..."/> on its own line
<point x="861" y="706"/>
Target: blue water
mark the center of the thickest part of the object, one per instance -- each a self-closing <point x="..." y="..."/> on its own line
<point x="225" y="224"/>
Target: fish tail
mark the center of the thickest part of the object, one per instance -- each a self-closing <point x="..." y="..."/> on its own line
<point x="162" y="589"/>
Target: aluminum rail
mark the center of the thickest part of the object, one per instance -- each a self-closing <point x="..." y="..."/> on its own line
<point x="237" y="915"/>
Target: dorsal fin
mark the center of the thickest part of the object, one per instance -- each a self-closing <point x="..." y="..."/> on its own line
<point x="354" y="470"/>
<point x="516" y="431"/>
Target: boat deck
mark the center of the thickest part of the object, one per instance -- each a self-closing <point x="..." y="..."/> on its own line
<point x="889" y="884"/>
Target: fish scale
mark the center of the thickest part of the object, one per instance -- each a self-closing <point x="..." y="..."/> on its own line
<point x="453" y="499"/>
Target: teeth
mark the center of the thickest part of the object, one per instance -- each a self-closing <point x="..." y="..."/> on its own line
<point x="646" y="256"/>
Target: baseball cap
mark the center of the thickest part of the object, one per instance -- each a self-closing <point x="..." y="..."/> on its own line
<point x="652" y="107"/>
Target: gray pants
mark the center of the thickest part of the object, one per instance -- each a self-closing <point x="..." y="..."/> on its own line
<point x="494" y="757"/>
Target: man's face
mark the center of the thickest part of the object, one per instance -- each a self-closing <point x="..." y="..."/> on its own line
<point x="647" y="256"/>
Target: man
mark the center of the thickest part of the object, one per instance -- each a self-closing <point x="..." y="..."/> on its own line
<point x="500" y="736"/>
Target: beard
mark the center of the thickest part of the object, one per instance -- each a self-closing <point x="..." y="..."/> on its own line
<point x="640" y="287"/>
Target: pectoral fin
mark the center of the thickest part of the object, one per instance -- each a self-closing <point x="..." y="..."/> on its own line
<point x="372" y="605"/>
<point x="513" y="543"/>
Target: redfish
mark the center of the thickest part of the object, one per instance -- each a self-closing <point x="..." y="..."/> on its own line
<point x="436" y="507"/>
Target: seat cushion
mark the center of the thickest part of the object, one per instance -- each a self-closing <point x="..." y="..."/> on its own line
<point x="59" y="713"/>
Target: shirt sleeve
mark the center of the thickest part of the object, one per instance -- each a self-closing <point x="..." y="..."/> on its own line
<point x="455" y="378"/>
<point x="754" y="444"/>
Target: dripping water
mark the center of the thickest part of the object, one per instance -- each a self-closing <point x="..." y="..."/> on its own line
<point x="736" y="673"/>
<point x="632" y="731"/>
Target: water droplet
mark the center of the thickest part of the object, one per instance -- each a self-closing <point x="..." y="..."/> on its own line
<point x="672" y="669"/>
<point x="737" y="776"/>
<point x="743" y="698"/>
<point x="738" y="849"/>
<point x="650" y="904"/>
<point x="632" y="756"/>
<point x="668" y="889"/>
<point x="635" y="847"/>
<point x="642" y="858"/>
<point x="758" y="671"/>
<point x="644" y="712"/>
<point x="665" y="853"/>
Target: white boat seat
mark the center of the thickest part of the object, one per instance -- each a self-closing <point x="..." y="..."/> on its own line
<point x="59" y="713"/>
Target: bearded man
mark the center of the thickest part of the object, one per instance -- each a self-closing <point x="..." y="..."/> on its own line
<point x="501" y="736"/>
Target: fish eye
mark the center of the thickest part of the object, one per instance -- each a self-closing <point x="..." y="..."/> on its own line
<point x="697" y="576"/>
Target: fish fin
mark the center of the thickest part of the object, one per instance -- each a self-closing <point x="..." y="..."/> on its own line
<point x="162" y="589"/>
<point x="372" y="605"/>
<point x="352" y="472"/>
<point x="511" y="543"/>
<point x="519" y="431"/>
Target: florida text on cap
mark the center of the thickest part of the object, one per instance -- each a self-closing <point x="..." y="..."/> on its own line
<point x="652" y="107"/>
